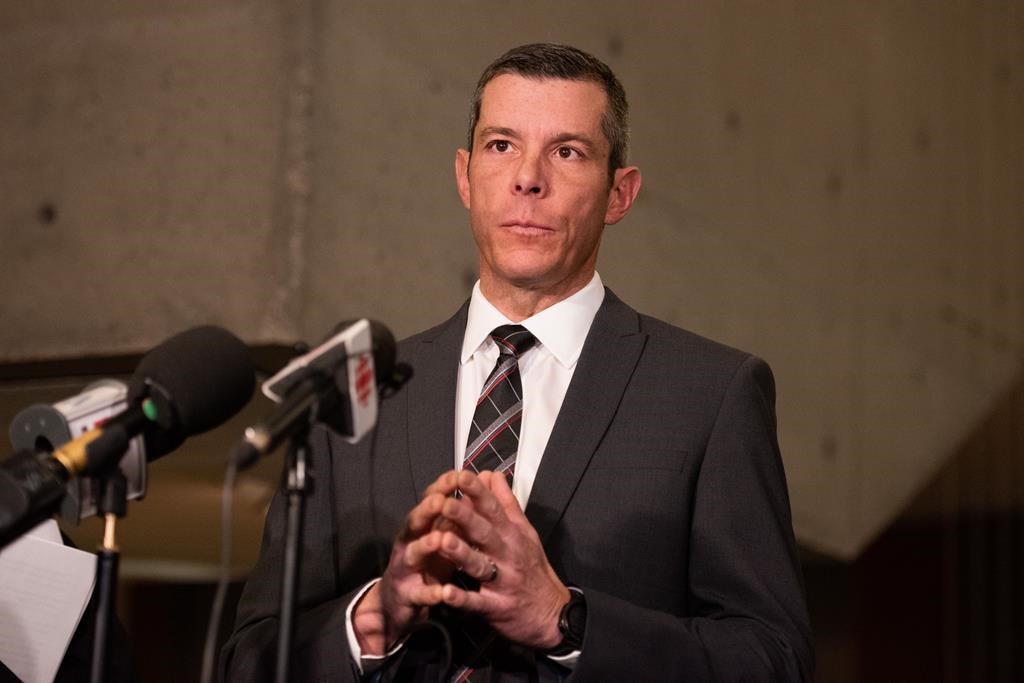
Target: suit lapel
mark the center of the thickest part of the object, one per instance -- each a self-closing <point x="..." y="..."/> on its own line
<point x="432" y="400"/>
<point x="609" y="355"/>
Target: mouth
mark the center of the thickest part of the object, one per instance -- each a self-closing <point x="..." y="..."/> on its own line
<point x="526" y="226"/>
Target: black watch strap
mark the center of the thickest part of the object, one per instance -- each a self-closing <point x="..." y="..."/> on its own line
<point x="572" y="624"/>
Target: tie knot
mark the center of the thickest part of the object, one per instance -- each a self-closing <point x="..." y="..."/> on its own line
<point x="513" y="339"/>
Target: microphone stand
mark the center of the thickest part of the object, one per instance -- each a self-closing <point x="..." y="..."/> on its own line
<point x="112" y="503"/>
<point x="299" y="485"/>
<point x="310" y="408"/>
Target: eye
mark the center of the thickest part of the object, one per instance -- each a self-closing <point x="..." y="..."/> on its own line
<point x="499" y="145"/>
<point x="565" y="152"/>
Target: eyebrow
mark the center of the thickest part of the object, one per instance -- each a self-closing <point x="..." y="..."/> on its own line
<point x="576" y="137"/>
<point x="498" y="130"/>
<point x="560" y="138"/>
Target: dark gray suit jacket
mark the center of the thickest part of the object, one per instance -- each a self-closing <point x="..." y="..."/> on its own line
<point x="661" y="494"/>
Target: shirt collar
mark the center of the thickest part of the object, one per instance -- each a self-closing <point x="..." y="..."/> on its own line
<point x="561" y="328"/>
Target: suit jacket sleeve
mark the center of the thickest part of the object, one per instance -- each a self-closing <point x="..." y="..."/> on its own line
<point x="743" y="614"/>
<point x="320" y="644"/>
<point x="359" y="499"/>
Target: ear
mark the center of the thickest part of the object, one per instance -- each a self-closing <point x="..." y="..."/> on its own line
<point x="462" y="175"/>
<point x="625" y="186"/>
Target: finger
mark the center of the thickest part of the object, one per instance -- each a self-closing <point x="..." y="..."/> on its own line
<point x="472" y="562"/>
<point x="489" y="574"/>
<point x="479" y="493"/>
<point x="446" y="545"/>
<point x="423" y="594"/>
<point x="418" y="551"/>
<point x="466" y="478"/>
<point x="459" y="598"/>
<point x="473" y="527"/>
<point x="444" y="485"/>
<point x="445" y="524"/>
<point x="423" y="553"/>
<point x="421" y="518"/>
<point x="502" y="492"/>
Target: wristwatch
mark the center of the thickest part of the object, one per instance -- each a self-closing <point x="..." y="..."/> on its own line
<point x="572" y="624"/>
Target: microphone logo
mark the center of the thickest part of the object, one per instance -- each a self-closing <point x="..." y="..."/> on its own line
<point x="365" y="380"/>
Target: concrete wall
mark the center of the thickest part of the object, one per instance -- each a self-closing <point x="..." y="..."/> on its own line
<point x="834" y="186"/>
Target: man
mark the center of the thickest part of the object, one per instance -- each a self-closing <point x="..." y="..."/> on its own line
<point x="656" y="542"/>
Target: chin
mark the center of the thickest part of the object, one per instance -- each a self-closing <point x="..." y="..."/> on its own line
<point x="525" y="277"/>
<point x="523" y="282"/>
<point x="522" y="262"/>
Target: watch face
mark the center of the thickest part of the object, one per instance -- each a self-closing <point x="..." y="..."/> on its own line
<point x="573" y="620"/>
<point x="577" y="619"/>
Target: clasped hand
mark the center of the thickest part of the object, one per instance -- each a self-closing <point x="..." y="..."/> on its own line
<point x="486" y="535"/>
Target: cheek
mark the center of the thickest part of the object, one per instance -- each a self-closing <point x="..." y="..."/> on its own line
<point x="589" y="219"/>
<point x="485" y="204"/>
<point x="589" y="198"/>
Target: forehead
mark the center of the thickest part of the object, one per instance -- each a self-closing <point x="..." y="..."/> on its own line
<point x="549" y="105"/>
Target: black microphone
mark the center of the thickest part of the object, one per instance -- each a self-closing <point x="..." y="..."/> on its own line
<point x="187" y="385"/>
<point x="336" y="383"/>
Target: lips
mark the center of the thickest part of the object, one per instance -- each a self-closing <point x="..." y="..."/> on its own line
<point x="525" y="225"/>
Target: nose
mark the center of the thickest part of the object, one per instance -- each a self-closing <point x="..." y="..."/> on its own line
<point x="530" y="176"/>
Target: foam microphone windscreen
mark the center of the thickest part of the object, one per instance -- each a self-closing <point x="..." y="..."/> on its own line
<point x="206" y="373"/>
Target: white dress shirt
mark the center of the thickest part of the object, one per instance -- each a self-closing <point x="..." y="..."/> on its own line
<point x="545" y="370"/>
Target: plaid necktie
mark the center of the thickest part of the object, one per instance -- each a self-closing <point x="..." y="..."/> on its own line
<point x="493" y="445"/>
<point x="494" y="434"/>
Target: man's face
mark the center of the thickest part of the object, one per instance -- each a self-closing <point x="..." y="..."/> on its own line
<point x="536" y="184"/>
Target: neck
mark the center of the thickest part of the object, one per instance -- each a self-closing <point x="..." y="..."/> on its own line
<point x="519" y="303"/>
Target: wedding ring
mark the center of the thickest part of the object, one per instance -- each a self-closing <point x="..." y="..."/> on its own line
<point x="494" y="572"/>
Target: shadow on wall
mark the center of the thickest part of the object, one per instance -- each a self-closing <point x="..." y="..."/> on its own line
<point x="939" y="596"/>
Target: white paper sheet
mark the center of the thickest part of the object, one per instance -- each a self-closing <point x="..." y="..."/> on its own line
<point x="44" y="589"/>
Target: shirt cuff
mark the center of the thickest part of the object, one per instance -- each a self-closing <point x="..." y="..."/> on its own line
<point x="568" y="661"/>
<point x="366" y="664"/>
